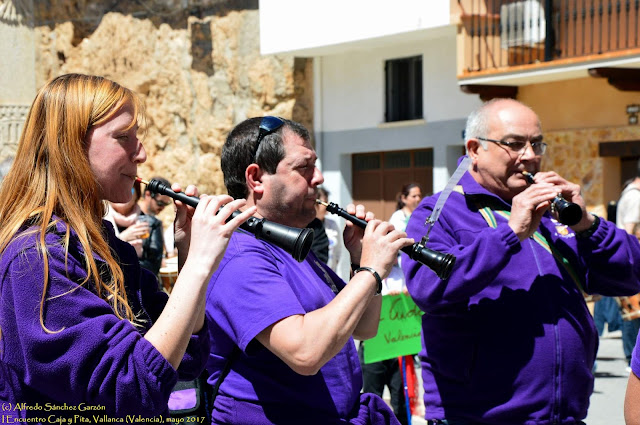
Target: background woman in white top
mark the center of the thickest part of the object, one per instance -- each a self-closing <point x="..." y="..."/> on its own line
<point x="408" y="199"/>
<point x="383" y="373"/>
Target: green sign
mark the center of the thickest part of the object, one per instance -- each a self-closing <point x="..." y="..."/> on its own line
<point x="399" y="330"/>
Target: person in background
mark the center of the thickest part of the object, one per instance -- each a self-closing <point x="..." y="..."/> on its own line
<point x="282" y="331"/>
<point x="81" y="324"/>
<point x="152" y="204"/>
<point x="628" y="218"/>
<point x="406" y="201"/>
<point x="606" y="312"/>
<point x="124" y="217"/>
<point x="331" y="228"/>
<point x="388" y="372"/>
<point x="169" y="247"/>
<point x="508" y="337"/>
<point x="320" y="245"/>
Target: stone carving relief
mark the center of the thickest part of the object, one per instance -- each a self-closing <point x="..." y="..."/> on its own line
<point x="16" y="11"/>
<point x="12" y="118"/>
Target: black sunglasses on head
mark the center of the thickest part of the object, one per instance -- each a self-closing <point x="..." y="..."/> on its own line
<point x="268" y="125"/>
<point x="161" y="204"/>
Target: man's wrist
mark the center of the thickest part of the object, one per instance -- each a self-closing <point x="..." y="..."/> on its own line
<point x="588" y="232"/>
<point x="375" y="275"/>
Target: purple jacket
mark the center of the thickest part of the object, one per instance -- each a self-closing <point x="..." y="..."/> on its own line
<point x="508" y="338"/>
<point x="90" y="359"/>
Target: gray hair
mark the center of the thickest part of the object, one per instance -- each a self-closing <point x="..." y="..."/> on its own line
<point x="478" y="120"/>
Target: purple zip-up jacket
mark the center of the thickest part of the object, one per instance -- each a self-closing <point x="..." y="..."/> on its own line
<point x="90" y="363"/>
<point x="508" y="338"/>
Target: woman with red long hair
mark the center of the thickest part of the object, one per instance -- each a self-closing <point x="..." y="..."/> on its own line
<point x="85" y="330"/>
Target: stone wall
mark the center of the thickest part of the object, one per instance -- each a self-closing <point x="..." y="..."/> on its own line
<point x="12" y="118"/>
<point x="197" y="65"/>
<point x="575" y="155"/>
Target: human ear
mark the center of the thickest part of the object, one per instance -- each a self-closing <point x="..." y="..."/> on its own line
<point x="253" y="177"/>
<point x="473" y="146"/>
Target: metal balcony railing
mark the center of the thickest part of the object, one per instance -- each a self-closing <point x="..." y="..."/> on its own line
<point x="505" y="33"/>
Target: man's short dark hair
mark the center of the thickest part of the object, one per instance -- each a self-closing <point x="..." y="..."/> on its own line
<point x="238" y="152"/>
<point x="161" y="180"/>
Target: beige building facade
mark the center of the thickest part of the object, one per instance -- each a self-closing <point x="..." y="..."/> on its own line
<point x="577" y="64"/>
<point x="578" y="117"/>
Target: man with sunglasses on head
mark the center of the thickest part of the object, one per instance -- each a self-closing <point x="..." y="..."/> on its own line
<point x="282" y="331"/>
<point x="508" y="338"/>
<point x="152" y="204"/>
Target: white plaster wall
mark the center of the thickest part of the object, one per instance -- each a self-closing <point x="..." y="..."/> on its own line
<point x="290" y="25"/>
<point x="17" y="86"/>
<point x="353" y="84"/>
<point x="17" y="68"/>
<point x="349" y="96"/>
<point x="353" y="91"/>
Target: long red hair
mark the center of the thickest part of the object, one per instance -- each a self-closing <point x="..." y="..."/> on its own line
<point x="52" y="170"/>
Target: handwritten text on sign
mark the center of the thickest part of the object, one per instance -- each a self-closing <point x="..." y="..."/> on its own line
<point x="399" y="330"/>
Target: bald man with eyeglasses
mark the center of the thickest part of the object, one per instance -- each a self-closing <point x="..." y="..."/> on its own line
<point x="508" y="338"/>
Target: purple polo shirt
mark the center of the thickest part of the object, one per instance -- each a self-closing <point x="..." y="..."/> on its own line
<point x="256" y="285"/>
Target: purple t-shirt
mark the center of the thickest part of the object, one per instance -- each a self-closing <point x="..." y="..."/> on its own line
<point x="90" y="359"/>
<point x="256" y="285"/>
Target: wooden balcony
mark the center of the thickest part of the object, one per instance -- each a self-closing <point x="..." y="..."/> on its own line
<point x="509" y="35"/>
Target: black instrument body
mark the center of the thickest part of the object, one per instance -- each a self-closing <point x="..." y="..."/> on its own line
<point x="440" y="263"/>
<point x="569" y="213"/>
<point x="295" y="241"/>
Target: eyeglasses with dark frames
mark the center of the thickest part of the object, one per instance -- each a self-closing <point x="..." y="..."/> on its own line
<point x="161" y="204"/>
<point x="519" y="146"/>
<point x="268" y="125"/>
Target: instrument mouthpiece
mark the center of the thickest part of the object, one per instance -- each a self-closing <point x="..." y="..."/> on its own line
<point x="569" y="213"/>
<point x="527" y="175"/>
<point x="296" y="242"/>
<point x="318" y="201"/>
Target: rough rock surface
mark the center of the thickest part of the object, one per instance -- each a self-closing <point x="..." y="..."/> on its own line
<point x="197" y="65"/>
